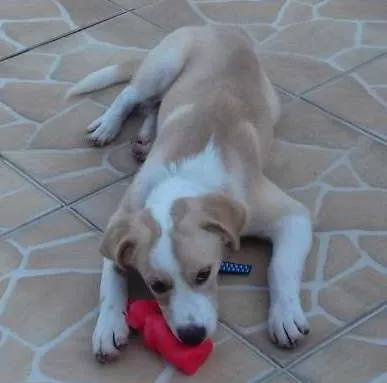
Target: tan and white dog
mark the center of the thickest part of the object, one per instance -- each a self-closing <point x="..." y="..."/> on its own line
<point x="201" y="188"/>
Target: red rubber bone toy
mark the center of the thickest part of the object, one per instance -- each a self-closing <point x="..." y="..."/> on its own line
<point x="145" y="317"/>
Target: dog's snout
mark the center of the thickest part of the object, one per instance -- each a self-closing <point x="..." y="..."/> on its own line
<point x="192" y="335"/>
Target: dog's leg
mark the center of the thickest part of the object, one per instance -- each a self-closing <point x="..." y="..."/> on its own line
<point x="111" y="332"/>
<point x="144" y="139"/>
<point x="288" y="224"/>
<point x="154" y="77"/>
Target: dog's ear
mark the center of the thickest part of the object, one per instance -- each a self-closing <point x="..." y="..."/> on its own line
<point x="223" y="216"/>
<point x="126" y="235"/>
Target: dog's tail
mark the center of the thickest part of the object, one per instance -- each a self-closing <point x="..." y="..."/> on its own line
<point x="101" y="79"/>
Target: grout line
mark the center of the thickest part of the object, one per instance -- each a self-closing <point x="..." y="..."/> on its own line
<point x="337" y="334"/>
<point x="278" y="374"/>
<point x="62" y="207"/>
<point x="66" y="34"/>
<point x="134" y="12"/>
<point x="98" y="190"/>
<point x="23" y="173"/>
<point x="292" y="376"/>
<point x="240" y="337"/>
<point x="63" y="202"/>
<point x="7" y="233"/>
<point x="130" y="9"/>
<point x="119" y="5"/>
<point x="343" y="73"/>
<point x="82" y="218"/>
<point x="69" y="209"/>
<point x="270" y="377"/>
<point x="358" y="128"/>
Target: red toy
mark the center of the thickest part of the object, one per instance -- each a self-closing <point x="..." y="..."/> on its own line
<point x="145" y="317"/>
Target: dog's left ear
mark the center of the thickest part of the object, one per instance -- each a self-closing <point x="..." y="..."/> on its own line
<point x="223" y="216"/>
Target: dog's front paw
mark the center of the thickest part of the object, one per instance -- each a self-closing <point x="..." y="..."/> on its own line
<point x="287" y="323"/>
<point x="103" y="130"/>
<point x="110" y="335"/>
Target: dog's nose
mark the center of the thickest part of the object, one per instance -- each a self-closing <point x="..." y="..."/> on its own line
<point x="191" y="335"/>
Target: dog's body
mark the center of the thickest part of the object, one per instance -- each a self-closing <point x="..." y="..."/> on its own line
<point x="208" y="134"/>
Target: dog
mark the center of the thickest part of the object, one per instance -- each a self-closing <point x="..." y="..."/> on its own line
<point x="205" y="142"/>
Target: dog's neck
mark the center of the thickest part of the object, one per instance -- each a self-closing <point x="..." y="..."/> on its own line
<point x="195" y="176"/>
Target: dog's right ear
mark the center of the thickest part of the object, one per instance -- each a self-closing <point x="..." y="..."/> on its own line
<point x="127" y="235"/>
<point x="118" y="242"/>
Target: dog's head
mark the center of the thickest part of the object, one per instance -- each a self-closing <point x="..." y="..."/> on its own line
<point x="179" y="257"/>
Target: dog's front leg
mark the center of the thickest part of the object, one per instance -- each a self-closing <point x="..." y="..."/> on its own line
<point x="111" y="332"/>
<point x="288" y="224"/>
<point x="292" y="237"/>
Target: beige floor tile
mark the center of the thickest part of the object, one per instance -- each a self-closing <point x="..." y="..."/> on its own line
<point x="99" y="207"/>
<point x="360" y="98"/>
<point x="134" y="4"/>
<point x="171" y="14"/>
<point x="10" y="258"/>
<point x="239" y="362"/>
<point x="128" y="30"/>
<point x="3" y="289"/>
<point x="41" y="307"/>
<point x="25" y="23"/>
<point x="342" y="9"/>
<point x="242" y="12"/>
<point x="308" y="50"/>
<point x="329" y="45"/>
<point x="15" y="360"/>
<point x="44" y="134"/>
<point x="320" y="38"/>
<point x="54" y="264"/>
<point x="280" y="379"/>
<point x="339" y="175"/>
<point x="295" y="73"/>
<point x="20" y="201"/>
<point x="72" y="361"/>
<point x="357" y="357"/>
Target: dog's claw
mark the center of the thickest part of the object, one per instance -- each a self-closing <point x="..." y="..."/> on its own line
<point x="287" y="323"/>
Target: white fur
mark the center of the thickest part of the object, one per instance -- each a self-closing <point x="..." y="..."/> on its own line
<point x="292" y="240"/>
<point x="198" y="175"/>
<point x="153" y="78"/>
<point x="111" y="330"/>
<point x="99" y="80"/>
<point x="105" y="128"/>
<point x="157" y="187"/>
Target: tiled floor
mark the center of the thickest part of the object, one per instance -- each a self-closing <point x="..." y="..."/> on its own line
<point x="329" y="61"/>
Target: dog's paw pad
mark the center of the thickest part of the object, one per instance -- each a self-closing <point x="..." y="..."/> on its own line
<point x="141" y="148"/>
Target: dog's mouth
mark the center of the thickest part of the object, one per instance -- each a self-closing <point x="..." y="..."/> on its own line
<point x="190" y="335"/>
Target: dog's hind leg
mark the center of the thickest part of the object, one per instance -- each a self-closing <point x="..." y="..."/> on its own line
<point x="289" y="226"/>
<point x="155" y="75"/>
<point x="143" y="141"/>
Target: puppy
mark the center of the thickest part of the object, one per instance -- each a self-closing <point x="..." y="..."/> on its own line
<point x="205" y="143"/>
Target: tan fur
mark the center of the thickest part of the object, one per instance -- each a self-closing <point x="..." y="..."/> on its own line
<point x="237" y="108"/>
<point x="211" y="91"/>
<point x="129" y="237"/>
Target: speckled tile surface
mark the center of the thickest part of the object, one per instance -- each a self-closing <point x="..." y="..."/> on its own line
<point x="57" y="192"/>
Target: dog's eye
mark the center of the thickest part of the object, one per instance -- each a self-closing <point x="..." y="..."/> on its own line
<point x="203" y="275"/>
<point x="159" y="287"/>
